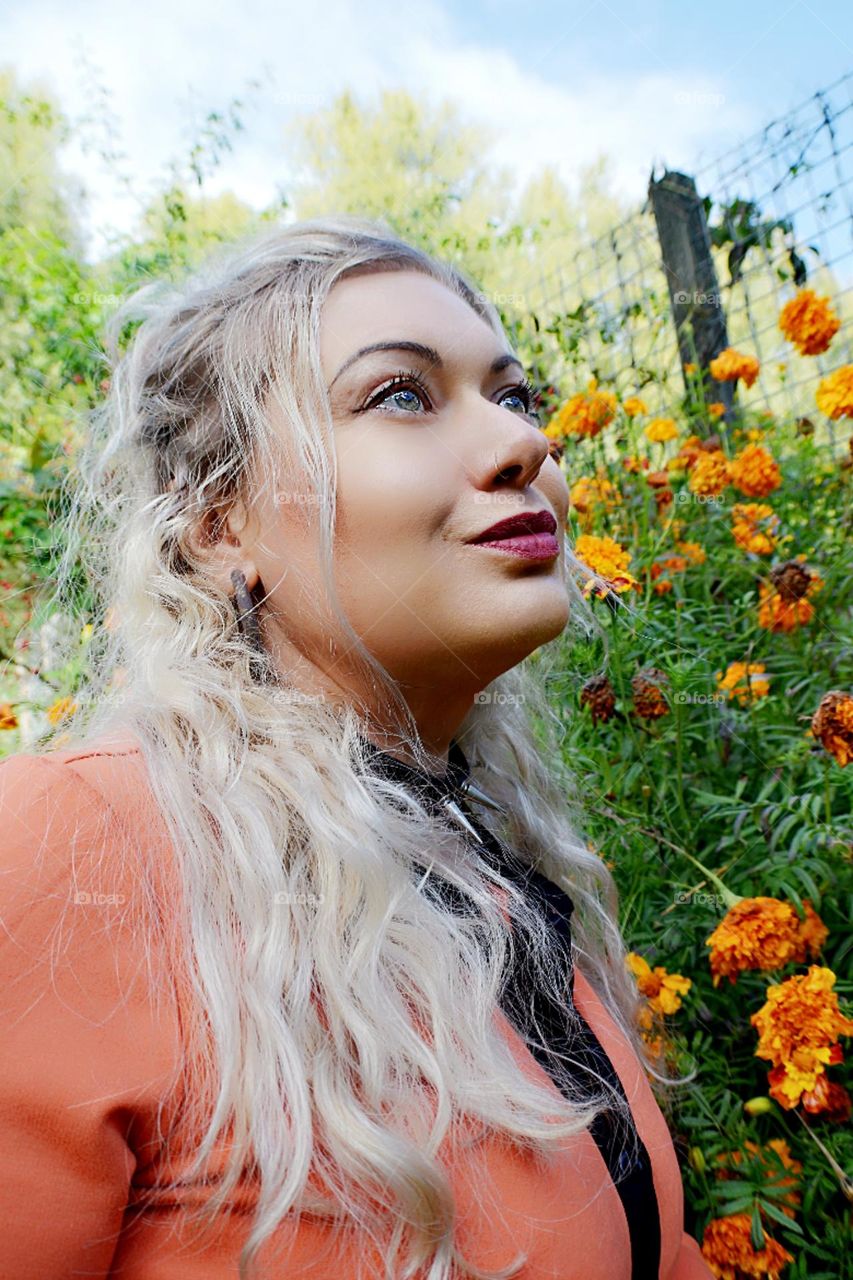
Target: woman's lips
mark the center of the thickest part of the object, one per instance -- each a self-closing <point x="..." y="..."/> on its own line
<point x="529" y="546"/>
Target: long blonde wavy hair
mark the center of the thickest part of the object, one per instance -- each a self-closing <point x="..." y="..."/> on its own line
<point x="348" y="1033"/>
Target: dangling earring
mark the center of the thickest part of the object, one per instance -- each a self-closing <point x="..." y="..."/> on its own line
<point x="247" y="620"/>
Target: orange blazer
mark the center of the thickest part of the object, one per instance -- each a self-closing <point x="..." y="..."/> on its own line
<point x="86" y="1057"/>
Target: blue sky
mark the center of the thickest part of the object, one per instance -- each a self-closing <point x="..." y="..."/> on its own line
<point x="558" y="83"/>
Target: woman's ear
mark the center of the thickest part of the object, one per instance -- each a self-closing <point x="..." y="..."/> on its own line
<point x="223" y="540"/>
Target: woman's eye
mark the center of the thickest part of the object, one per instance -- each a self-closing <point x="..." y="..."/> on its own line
<point x="520" y="396"/>
<point x="525" y="398"/>
<point x="400" y="392"/>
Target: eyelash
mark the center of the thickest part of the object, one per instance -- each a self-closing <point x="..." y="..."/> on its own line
<point x="406" y="378"/>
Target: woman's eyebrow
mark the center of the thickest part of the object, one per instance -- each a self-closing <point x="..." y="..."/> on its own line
<point x="420" y="349"/>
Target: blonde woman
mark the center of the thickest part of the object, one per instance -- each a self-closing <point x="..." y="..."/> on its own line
<point x="306" y="970"/>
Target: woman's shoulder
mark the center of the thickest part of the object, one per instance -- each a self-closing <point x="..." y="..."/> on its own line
<point x="78" y="828"/>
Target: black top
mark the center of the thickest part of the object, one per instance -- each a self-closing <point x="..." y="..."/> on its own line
<point x="532" y="1011"/>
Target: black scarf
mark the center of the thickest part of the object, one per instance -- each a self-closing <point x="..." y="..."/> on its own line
<point x="530" y="1008"/>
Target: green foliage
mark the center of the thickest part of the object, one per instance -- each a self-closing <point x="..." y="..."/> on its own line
<point x="740" y="787"/>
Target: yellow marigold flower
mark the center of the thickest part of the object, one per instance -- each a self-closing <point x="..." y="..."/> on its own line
<point x="608" y="560"/>
<point x="832" y="725"/>
<point x="60" y="709"/>
<point x="798" y="1028"/>
<point x="754" y="526"/>
<point x="690" y="367"/>
<point x="834" y="394"/>
<point x="583" y="414"/>
<point x="730" y="365"/>
<point x="733" y="681"/>
<point x="716" y="409"/>
<point x="709" y="474"/>
<point x="633" y="407"/>
<point x="590" y="491"/>
<point x="660" y="430"/>
<point x="754" y="471"/>
<point x="756" y="933"/>
<point x="693" y="550"/>
<point x="809" y="322"/>
<point x="728" y="1250"/>
<point x="662" y="990"/>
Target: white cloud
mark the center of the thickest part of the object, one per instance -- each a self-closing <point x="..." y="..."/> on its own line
<point x="165" y="64"/>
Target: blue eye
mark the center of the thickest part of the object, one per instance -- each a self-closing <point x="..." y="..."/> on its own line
<point x="407" y="381"/>
<point x="401" y="383"/>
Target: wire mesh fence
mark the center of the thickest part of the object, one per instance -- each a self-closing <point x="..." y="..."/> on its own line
<point x="777" y="215"/>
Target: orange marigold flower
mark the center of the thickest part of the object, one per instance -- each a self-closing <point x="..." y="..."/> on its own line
<point x="812" y="935"/>
<point x="662" y="990"/>
<point x="649" y="700"/>
<point x="798" y="1028"/>
<point x="584" y="414"/>
<point x="659" y="430"/>
<point x="728" y="1250"/>
<point x="633" y="463"/>
<point x="8" y="719"/>
<point x="738" y="682"/>
<point x="756" y="933"/>
<point x="809" y="322"/>
<point x="828" y="1099"/>
<point x="716" y="409"/>
<point x="709" y="474"/>
<point x="633" y="407"/>
<point x="783" y="602"/>
<point x="657" y="479"/>
<point x="754" y="526"/>
<point x="730" y="365"/>
<point x="832" y="725"/>
<point x="694" y="551"/>
<point x="834" y="394"/>
<point x="688" y="452"/>
<point x="690" y="367"/>
<point x="755" y="472"/>
<point x="608" y="560"/>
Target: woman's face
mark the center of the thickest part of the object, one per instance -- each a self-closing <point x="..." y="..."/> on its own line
<point x="421" y="471"/>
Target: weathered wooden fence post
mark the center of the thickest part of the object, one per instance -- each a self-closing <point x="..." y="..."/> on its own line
<point x="694" y="293"/>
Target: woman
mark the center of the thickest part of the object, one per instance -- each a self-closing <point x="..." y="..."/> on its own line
<point x="288" y="982"/>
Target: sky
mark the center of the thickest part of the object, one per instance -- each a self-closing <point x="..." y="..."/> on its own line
<point x="671" y="84"/>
